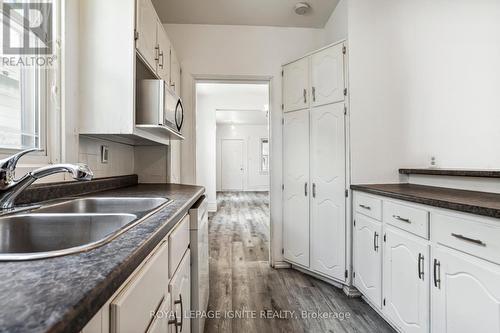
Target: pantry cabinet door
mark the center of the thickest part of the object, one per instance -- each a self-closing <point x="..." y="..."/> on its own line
<point x="406" y="280"/>
<point x="175" y="73"/>
<point x="328" y="184"/>
<point x="368" y="258"/>
<point x="146" y="42"/>
<point x="296" y="85"/>
<point x="465" y="293"/>
<point x="163" y="53"/>
<point x="180" y="293"/>
<point x="327" y="76"/>
<point x="296" y="187"/>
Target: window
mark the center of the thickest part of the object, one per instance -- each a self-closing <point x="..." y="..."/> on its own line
<point x="29" y="97"/>
<point x="264" y="156"/>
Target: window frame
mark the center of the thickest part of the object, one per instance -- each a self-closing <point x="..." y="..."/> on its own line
<point x="49" y="100"/>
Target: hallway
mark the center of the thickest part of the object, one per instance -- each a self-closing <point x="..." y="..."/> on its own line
<point x="242" y="281"/>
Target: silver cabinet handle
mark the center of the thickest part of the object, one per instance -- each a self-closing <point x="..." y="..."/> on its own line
<point x="314" y="93"/>
<point x="365" y="207"/>
<point x="179" y="301"/>
<point x="437" y="274"/>
<point x="470" y="240"/>
<point x="174" y="322"/>
<point x="399" y="218"/>
<point x="305" y="95"/>
<point x="305" y="189"/>
<point x="162" y="60"/>
<point x="375" y="241"/>
<point x="157" y="52"/>
<point x="421" y="266"/>
<point x="314" y="190"/>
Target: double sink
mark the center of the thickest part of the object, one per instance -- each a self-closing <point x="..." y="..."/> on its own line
<point x="71" y="226"/>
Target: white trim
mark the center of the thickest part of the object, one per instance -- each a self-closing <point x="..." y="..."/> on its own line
<point x="316" y="51"/>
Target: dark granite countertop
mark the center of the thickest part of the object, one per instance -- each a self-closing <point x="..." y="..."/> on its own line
<point x="451" y="172"/>
<point x="62" y="294"/>
<point x="480" y="203"/>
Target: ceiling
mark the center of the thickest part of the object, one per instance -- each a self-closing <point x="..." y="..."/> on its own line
<point x="236" y="103"/>
<point x="244" y="12"/>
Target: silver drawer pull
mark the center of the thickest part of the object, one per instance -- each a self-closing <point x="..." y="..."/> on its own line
<point x="365" y="207"/>
<point x="467" y="239"/>
<point x="402" y="219"/>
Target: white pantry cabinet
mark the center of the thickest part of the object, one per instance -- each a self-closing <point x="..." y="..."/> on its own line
<point x="328" y="184"/>
<point x="146" y="32"/>
<point x="327" y="75"/>
<point x="296" y="186"/>
<point x="296" y="85"/>
<point x="368" y="258"/>
<point x="406" y="280"/>
<point x="314" y="170"/>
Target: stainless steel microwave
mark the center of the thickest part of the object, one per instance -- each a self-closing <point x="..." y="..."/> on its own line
<point x="157" y="104"/>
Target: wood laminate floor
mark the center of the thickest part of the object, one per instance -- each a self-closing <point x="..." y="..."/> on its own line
<point x="242" y="284"/>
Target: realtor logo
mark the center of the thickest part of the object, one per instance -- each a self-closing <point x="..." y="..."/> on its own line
<point x="31" y="22"/>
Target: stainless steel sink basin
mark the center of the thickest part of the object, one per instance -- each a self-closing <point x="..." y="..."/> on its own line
<point x="71" y="226"/>
<point x="123" y="205"/>
<point x="33" y="236"/>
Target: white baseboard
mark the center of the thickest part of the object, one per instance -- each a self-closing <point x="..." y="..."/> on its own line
<point x="281" y="265"/>
<point x="319" y="277"/>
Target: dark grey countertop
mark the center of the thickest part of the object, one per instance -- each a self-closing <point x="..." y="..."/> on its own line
<point x="474" y="202"/>
<point x="62" y="294"/>
<point x="487" y="173"/>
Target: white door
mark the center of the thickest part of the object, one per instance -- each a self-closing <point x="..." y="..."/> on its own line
<point x="146" y="28"/>
<point x="295" y="85"/>
<point x="368" y="258"/>
<point x="180" y="292"/>
<point x="328" y="181"/>
<point x="327" y="76"/>
<point x="406" y="280"/>
<point x="465" y="293"/>
<point x="232" y="168"/>
<point x="163" y="53"/>
<point x="175" y="73"/>
<point x="296" y="191"/>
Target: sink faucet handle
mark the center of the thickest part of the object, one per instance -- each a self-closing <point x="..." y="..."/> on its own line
<point x="8" y="166"/>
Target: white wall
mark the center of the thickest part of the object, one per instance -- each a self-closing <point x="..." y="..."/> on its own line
<point x="424" y="81"/>
<point x="336" y="27"/>
<point x="240" y="50"/>
<point x="254" y="179"/>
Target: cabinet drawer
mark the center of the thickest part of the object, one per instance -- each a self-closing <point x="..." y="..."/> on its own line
<point x="369" y="206"/>
<point x="411" y="219"/>
<point x="131" y="309"/>
<point x="475" y="237"/>
<point x="178" y="242"/>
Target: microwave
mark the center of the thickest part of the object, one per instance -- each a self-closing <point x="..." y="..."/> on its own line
<point x="157" y="104"/>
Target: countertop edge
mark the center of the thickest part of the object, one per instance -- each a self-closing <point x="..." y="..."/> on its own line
<point x="451" y="172"/>
<point x="445" y="204"/>
<point x="76" y="318"/>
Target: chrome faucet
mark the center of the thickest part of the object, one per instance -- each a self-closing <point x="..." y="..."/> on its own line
<point x="11" y="188"/>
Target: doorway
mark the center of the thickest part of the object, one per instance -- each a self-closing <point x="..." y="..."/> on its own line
<point x="232" y="168"/>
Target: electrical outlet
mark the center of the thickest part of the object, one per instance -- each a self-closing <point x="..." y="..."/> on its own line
<point x="104" y="154"/>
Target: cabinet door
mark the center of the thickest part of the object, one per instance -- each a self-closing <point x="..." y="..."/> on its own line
<point x="180" y="291"/>
<point x="163" y="53"/>
<point x="296" y="192"/>
<point x="175" y="73"/>
<point x="465" y="293"/>
<point x="295" y="85"/>
<point x="146" y="28"/>
<point x="368" y="258"/>
<point x="406" y="280"/>
<point x="328" y="208"/>
<point x="161" y="318"/>
<point x="327" y="76"/>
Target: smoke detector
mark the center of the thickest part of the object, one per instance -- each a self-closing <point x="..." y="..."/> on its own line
<point x="302" y="8"/>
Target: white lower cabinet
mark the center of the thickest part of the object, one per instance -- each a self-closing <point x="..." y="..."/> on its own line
<point x="161" y="319"/>
<point x="406" y="280"/>
<point x="368" y="258"/>
<point x="465" y="293"/>
<point x="180" y="291"/>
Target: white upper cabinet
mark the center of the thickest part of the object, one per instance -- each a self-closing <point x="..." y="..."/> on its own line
<point x="327" y="159"/>
<point x="146" y="28"/>
<point x="465" y="293"/>
<point x="296" y="85"/>
<point x="327" y="76"/>
<point x="163" y="55"/>
<point x="368" y="258"/>
<point x="406" y="280"/>
<point x="296" y="182"/>
<point x="175" y="73"/>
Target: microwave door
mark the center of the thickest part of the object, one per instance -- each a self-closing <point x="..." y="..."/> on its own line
<point x="169" y="110"/>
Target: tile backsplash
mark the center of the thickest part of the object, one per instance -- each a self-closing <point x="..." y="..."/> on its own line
<point x="120" y="159"/>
